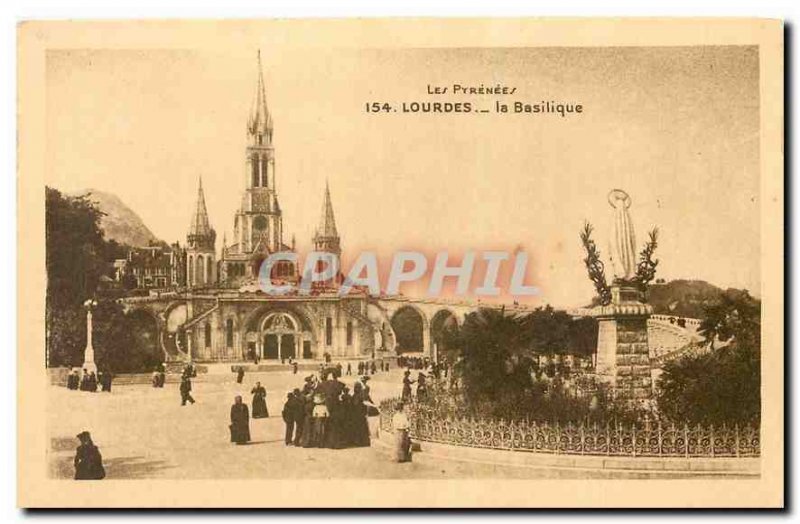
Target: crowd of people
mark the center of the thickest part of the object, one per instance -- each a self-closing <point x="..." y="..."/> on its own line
<point x="324" y="413"/>
<point x="89" y="381"/>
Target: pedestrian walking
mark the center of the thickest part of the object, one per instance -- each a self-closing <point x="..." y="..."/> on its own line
<point x="259" y="401"/>
<point x="240" y="422"/>
<point x="186" y="390"/>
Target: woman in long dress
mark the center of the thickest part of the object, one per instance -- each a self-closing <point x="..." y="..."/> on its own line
<point x="358" y="414"/>
<point x="407" y="386"/>
<point x="259" y="401"/>
<point x="307" y="436"/>
<point x="402" y="439"/>
<point x="240" y="422"/>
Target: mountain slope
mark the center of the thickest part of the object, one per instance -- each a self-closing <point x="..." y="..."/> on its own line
<point x="686" y="298"/>
<point x="120" y="223"/>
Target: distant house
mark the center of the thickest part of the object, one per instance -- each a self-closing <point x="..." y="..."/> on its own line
<point x="152" y="267"/>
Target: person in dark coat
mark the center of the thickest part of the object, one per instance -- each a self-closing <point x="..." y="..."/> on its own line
<point x="289" y="415"/>
<point x="336" y="431"/>
<point x="373" y="368"/>
<point x="240" y="422"/>
<point x="186" y="389"/>
<point x="406" y="395"/>
<point x="105" y="381"/>
<point x="259" y="401"/>
<point x="240" y="375"/>
<point x="422" y="389"/>
<point x="307" y="435"/>
<point x="93" y="382"/>
<point x="298" y="415"/>
<point x="73" y="380"/>
<point x="88" y="461"/>
<point x="84" y="384"/>
<point x="359" y="428"/>
<point x="294" y="368"/>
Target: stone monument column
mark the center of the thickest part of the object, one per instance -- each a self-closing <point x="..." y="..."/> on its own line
<point x="88" y="353"/>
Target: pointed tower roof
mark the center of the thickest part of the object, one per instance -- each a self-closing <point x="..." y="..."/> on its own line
<point x="260" y="121"/>
<point x="327" y="223"/>
<point x="200" y="226"/>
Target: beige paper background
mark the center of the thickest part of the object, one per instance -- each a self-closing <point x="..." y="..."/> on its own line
<point x="38" y="38"/>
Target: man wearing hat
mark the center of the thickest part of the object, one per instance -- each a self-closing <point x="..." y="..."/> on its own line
<point x="88" y="461"/>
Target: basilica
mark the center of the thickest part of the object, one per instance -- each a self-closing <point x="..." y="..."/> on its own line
<point x="221" y="314"/>
<point x="216" y="311"/>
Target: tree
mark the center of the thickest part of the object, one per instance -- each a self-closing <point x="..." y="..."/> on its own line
<point x="721" y="385"/>
<point x="736" y="315"/>
<point x="495" y="362"/>
<point x="549" y="331"/>
<point x="583" y="336"/>
<point x="76" y="257"/>
<point x="73" y="256"/>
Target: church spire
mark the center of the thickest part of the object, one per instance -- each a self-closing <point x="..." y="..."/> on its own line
<point x="327" y="223"/>
<point x="201" y="234"/>
<point x="259" y="125"/>
<point x="327" y="237"/>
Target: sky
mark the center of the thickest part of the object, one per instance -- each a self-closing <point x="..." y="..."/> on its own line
<point x="675" y="127"/>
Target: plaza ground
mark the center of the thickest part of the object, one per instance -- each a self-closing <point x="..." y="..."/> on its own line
<point x="143" y="432"/>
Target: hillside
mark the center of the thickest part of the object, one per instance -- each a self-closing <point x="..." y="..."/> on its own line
<point x="120" y="223"/>
<point x="684" y="298"/>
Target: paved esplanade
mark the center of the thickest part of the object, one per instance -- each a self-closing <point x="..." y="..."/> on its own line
<point x="144" y="432"/>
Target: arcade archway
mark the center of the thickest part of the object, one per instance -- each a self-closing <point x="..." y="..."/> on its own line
<point x="409" y="328"/>
<point x="444" y="326"/>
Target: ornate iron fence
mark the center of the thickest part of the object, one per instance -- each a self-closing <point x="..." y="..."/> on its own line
<point x="648" y="440"/>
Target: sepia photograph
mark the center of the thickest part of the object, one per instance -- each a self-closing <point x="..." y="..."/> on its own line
<point x="404" y="263"/>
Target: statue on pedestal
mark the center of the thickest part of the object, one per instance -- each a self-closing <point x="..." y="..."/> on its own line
<point x="623" y="357"/>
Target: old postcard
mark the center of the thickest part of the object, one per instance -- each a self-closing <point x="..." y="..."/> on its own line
<point x="401" y="263"/>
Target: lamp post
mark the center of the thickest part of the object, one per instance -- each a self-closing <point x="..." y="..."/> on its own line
<point x="88" y="353"/>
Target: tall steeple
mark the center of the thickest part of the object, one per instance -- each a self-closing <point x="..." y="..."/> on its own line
<point x="258" y="224"/>
<point x="326" y="237"/>
<point x="259" y="125"/>
<point x="200" y="242"/>
<point x="200" y="231"/>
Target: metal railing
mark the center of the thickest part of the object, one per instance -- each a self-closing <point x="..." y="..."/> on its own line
<point x="636" y="440"/>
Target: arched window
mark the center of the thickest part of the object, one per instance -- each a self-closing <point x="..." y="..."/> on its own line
<point x="264" y="172"/>
<point x="208" y="335"/>
<point x="198" y="270"/>
<point x="209" y="271"/>
<point x="254" y="168"/>
<point x="190" y="273"/>
<point x="229" y="333"/>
